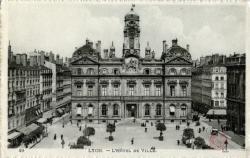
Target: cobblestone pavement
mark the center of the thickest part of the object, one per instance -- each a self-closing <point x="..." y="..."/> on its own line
<point x="125" y="130"/>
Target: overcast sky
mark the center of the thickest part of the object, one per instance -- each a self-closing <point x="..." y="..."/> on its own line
<point x="61" y="28"/>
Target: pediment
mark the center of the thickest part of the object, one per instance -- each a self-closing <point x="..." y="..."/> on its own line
<point x="179" y="61"/>
<point x="84" y="61"/>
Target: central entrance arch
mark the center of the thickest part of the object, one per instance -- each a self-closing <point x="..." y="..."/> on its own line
<point x="131" y="110"/>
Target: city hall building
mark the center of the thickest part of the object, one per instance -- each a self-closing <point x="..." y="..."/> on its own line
<point x="111" y="88"/>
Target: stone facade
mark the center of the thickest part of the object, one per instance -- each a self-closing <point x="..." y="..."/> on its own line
<point x="236" y="92"/>
<point x="110" y="87"/>
<point x="209" y="84"/>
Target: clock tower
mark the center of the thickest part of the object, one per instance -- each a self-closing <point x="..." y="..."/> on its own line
<point x="131" y="45"/>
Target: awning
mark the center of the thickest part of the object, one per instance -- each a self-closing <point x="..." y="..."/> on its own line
<point x="48" y="114"/>
<point x="217" y="112"/>
<point x="14" y="135"/>
<point x="27" y="130"/>
<point x="172" y="109"/>
<point x="41" y="120"/>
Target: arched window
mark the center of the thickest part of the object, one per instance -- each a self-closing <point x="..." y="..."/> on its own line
<point x="216" y="78"/>
<point x="90" y="71"/>
<point x="221" y="78"/>
<point x="172" y="110"/>
<point x="183" y="71"/>
<point x="158" y="109"/>
<point x="78" y="110"/>
<point x="172" y="71"/>
<point x="146" y="71"/>
<point x="115" y="110"/>
<point x="147" y="110"/>
<point x="90" y="110"/>
<point x="79" y="71"/>
<point x="183" y="110"/>
<point x="104" y="110"/>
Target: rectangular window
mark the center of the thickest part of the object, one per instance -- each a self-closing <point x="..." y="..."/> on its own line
<point x="90" y="90"/>
<point x="131" y="90"/>
<point x="78" y="86"/>
<point x="146" y="90"/>
<point x="184" y="90"/>
<point x="158" y="90"/>
<point x="222" y="103"/>
<point x="222" y="86"/>
<point x="172" y="90"/>
<point x="104" y="90"/>
<point x="79" y="93"/>
<point x="116" y="92"/>
<point x="216" y="103"/>
<point x="222" y="95"/>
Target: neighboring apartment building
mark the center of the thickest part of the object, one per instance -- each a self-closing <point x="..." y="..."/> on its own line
<point x="209" y="86"/>
<point x="23" y="91"/>
<point x="236" y="92"/>
<point x="36" y="85"/>
<point x="109" y="87"/>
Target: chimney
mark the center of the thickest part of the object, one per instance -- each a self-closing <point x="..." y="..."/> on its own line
<point x="24" y="59"/>
<point x="61" y="61"/>
<point x="188" y="47"/>
<point x="98" y="48"/>
<point x="18" y="59"/>
<point x="51" y="56"/>
<point x="39" y="60"/>
<point x="91" y="44"/>
<point x="166" y="47"/>
<point x="42" y="57"/>
<point x="35" y="60"/>
<point x="163" y="46"/>
<point x="57" y="58"/>
<point x="174" y="42"/>
<point x="31" y="61"/>
<point x="106" y="54"/>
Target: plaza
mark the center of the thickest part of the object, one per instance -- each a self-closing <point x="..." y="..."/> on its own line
<point x="126" y="129"/>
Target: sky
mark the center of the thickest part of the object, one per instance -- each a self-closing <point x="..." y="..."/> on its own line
<point x="61" y="28"/>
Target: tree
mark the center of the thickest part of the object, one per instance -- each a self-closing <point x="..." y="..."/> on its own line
<point x="82" y="140"/>
<point x="188" y="133"/>
<point x="199" y="142"/>
<point x="89" y="131"/>
<point x="110" y="129"/>
<point x="161" y="127"/>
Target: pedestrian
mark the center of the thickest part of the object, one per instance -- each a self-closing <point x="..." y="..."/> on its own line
<point x="226" y="142"/>
<point x="132" y="141"/>
<point x="199" y="130"/>
<point x="203" y="128"/>
<point x="178" y="142"/>
<point x="77" y="124"/>
<point x="55" y="137"/>
<point x="61" y="136"/>
<point x="146" y="129"/>
<point x="63" y="142"/>
<point x="80" y="128"/>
